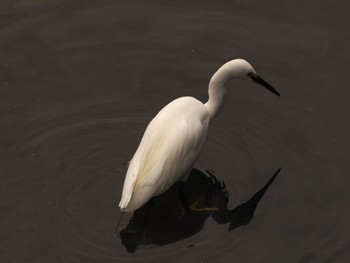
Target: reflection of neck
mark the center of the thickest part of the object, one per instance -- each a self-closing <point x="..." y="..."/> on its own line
<point x="242" y="214"/>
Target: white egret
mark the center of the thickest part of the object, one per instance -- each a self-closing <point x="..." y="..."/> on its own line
<point x="174" y="138"/>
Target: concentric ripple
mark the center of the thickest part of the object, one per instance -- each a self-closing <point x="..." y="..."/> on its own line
<point x="80" y="81"/>
<point x="80" y="161"/>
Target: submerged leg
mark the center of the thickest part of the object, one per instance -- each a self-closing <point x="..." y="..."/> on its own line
<point x="182" y="198"/>
<point x="194" y="206"/>
<point x="150" y="205"/>
<point x="116" y="234"/>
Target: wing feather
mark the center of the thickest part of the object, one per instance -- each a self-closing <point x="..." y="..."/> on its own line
<point x="170" y="145"/>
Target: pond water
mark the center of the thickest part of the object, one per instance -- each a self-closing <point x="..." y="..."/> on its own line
<point x="81" y="79"/>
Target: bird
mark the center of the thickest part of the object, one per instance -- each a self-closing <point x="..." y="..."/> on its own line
<point x="174" y="138"/>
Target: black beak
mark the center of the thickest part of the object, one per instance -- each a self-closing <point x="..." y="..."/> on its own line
<point x="257" y="79"/>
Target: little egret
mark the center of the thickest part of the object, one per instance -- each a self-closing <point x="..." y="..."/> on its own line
<point x="174" y="138"/>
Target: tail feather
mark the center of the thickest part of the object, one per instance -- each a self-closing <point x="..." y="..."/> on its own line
<point x="125" y="201"/>
<point x="128" y="189"/>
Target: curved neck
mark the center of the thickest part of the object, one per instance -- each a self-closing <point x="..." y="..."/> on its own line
<point x="217" y="90"/>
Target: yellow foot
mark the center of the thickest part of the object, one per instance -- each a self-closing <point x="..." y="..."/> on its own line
<point x="130" y="230"/>
<point x="205" y="209"/>
<point x="194" y="207"/>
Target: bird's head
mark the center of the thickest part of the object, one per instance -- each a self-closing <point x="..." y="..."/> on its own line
<point x="239" y="68"/>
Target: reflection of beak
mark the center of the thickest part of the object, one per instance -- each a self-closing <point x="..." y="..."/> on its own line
<point x="257" y="79"/>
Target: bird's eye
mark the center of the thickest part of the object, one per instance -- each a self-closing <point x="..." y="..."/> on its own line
<point x="250" y="75"/>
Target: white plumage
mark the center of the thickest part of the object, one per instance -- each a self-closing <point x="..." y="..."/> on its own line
<point x="175" y="137"/>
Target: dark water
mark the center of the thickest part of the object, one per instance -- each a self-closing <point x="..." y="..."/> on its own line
<point x="80" y="80"/>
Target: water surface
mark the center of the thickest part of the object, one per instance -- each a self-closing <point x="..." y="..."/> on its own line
<point x="80" y="80"/>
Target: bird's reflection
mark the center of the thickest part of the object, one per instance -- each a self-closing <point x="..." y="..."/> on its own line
<point x="168" y="219"/>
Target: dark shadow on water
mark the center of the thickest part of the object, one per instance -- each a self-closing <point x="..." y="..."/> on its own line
<point x="169" y="221"/>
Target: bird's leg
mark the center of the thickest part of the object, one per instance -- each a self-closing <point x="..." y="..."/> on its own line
<point x="150" y="205"/>
<point x="182" y="198"/>
<point x="116" y="234"/>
